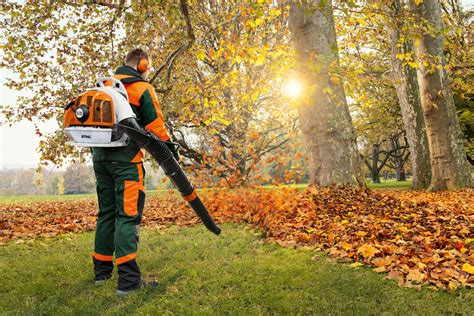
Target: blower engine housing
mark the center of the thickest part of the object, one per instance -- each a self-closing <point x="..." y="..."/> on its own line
<point x="91" y="119"/>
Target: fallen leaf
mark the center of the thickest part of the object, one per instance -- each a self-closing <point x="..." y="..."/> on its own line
<point x="367" y="251"/>
<point x="468" y="268"/>
<point x="380" y="269"/>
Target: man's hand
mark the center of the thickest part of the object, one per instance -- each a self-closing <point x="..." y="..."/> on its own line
<point x="174" y="150"/>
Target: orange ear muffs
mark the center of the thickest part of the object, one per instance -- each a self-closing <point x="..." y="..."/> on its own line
<point x="142" y="66"/>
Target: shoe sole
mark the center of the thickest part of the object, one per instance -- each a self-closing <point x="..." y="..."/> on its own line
<point x="125" y="293"/>
<point x="142" y="286"/>
<point x="101" y="282"/>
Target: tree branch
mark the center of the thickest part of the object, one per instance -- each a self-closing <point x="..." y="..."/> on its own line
<point x="104" y="3"/>
<point x="388" y="155"/>
<point x="183" y="7"/>
<point x="365" y="161"/>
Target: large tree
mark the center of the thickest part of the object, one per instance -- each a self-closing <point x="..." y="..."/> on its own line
<point x="458" y="43"/>
<point x="228" y="96"/>
<point x="324" y="115"/>
<point x="448" y="160"/>
<point x="405" y="81"/>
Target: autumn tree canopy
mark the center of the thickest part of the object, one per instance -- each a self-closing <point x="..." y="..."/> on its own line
<point x="221" y="68"/>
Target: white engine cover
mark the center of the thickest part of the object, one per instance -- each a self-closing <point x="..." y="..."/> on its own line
<point x="87" y="136"/>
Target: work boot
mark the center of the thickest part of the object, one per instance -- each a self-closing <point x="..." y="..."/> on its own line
<point x="142" y="284"/>
<point x="102" y="279"/>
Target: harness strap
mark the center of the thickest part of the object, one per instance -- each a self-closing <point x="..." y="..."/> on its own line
<point x="69" y="104"/>
<point x="129" y="80"/>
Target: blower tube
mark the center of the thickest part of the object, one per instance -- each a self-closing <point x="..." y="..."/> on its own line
<point x="158" y="149"/>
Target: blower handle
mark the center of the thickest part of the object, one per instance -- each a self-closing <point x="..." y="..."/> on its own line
<point x="117" y="85"/>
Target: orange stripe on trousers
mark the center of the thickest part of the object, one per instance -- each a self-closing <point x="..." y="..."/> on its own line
<point x="98" y="256"/>
<point x="126" y="258"/>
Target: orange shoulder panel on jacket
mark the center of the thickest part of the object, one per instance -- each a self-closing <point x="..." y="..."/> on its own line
<point x="134" y="90"/>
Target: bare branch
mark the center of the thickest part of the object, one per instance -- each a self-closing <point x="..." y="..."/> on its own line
<point x="183" y="7"/>
<point x="104" y="3"/>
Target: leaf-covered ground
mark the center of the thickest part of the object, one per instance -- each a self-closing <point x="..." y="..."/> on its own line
<point x="416" y="238"/>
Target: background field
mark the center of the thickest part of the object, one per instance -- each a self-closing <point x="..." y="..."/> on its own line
<point x="7" y="199"/>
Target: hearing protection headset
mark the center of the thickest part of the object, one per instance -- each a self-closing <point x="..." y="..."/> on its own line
<point x="142" y="65"/>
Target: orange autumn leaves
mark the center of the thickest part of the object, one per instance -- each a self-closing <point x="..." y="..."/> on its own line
<point x="416" y="238"/>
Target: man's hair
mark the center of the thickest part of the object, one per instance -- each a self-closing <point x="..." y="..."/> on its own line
<point x="134" y="56"/>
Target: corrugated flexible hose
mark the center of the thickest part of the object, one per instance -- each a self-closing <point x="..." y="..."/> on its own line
<point x="158" y="149"/>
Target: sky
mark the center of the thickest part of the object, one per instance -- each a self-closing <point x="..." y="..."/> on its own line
<point x="19" y="143"/>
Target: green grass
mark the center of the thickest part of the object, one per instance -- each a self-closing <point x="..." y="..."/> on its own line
<point x="388" y="184"/>
<point x="235" y="273"/>
<point x="8" y="199"/>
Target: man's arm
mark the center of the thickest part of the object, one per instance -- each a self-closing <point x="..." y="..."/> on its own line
<point x="150" y="115"/>
<point x="151" y="118"/>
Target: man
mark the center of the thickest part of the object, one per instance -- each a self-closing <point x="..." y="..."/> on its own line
<point x="120" y="187"/>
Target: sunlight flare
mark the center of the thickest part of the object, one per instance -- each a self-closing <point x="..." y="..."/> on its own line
<point x="293" y="88"/>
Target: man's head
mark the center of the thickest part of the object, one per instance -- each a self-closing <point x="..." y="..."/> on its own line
<point x="138" y="59"/>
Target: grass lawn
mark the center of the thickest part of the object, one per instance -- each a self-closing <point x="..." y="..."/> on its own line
<point x="388" y="184"/>
<point x="235" y="273"/>
<point x="7" y="199"/>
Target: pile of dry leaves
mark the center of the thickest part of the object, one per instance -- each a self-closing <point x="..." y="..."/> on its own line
<point x="417" y="238"/>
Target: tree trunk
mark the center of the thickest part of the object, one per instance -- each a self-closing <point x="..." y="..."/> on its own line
<point x="324" y="116"/>
<point x="398" y="157"/>
<point x="449" y="169"/>
<point x="400" y="174"/>
<point x="406" y="85"/>
<point x="375" y="175"/>
<point x="374" y="172"/>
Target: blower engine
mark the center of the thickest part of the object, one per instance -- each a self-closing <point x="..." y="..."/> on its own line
<point x="102" y="117"/>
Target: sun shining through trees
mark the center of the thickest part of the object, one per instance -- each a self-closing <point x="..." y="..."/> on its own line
<point x="293" y="88"/>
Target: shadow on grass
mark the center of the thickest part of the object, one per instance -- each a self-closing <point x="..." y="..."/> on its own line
<point x="141" y="297"/>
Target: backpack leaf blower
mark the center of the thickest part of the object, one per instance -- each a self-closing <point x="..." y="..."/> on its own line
<point x="102" y="117"/>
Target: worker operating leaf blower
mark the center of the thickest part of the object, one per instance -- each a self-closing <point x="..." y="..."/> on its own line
<point x="117" y="118"/>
